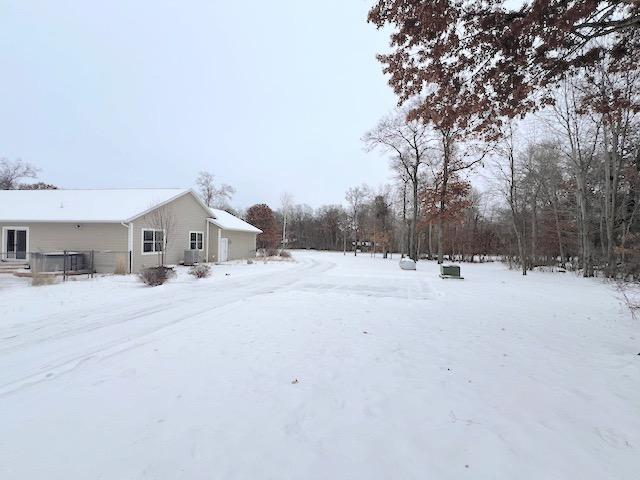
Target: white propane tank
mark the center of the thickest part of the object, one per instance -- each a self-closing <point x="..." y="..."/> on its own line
<point x="407" y="264"/>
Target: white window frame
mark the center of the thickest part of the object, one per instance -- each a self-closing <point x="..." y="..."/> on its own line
<point x="164" y="241"/>
<point x="189" y="240"/>
<point x="5" y="246"/>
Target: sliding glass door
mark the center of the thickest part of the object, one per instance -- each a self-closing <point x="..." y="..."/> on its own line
<point x="15" y="243"/>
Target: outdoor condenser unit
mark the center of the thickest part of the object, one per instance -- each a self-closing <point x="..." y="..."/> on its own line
<point x="191" y="257"/>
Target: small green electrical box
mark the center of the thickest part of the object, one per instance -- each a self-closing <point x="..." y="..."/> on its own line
<point x="450" y="271"/>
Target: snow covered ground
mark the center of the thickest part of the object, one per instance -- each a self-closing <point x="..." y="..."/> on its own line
<point x="330" y="367"/>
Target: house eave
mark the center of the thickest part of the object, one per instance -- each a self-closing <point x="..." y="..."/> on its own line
<point x="257" y="231"/>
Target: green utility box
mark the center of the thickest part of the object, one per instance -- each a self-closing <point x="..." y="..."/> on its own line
<point x="450" y="271"/>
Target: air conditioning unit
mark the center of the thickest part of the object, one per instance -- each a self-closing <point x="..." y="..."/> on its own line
<point x="191" y="257"/>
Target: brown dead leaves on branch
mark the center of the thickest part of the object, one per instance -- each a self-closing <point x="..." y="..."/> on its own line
<point x="481" y="61"/>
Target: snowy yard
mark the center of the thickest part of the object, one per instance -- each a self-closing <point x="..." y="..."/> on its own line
<point x="331" y="367"/>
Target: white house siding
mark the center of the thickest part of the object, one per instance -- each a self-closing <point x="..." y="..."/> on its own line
<point x="57" y="237"/>
<point x="188" y="215"/>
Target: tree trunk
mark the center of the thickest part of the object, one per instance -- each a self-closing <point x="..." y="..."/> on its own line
<point x="585" y="235"/>
<point x="556" y="216"/>
<point x="518" y="234"/>
<point x="405" y="239"/>
<point x="443" y="196"/>
<point x="414" y="220"/>
<point x="534" y="232"/>
<point x="441" y="234"/>
<point x="609" y="199"/>
<point x="284" y="229"/>
<point x="514" y="213"/>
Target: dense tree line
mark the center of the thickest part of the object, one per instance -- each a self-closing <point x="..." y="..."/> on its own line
<point x="562" y="200"/>
<point x="475" y="75"/>
<point x="541" y="101"/>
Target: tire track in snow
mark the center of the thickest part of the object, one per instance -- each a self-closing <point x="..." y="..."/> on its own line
<point x="196" y="305"/>
<point x="121" y="311"/>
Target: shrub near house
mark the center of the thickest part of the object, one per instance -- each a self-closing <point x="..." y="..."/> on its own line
<point x="156" y="276"/>
<point x="200" y="271"/>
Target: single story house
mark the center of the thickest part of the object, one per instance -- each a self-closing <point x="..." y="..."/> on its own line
<point x="128" y="229"/>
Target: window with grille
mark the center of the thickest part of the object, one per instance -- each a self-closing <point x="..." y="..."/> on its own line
<point x="152" y="241"/>
<point x="196" y="240"/>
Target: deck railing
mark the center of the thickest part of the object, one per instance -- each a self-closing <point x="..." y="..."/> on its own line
<point x="67" y="262"/>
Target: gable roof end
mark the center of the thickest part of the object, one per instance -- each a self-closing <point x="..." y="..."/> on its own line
<point x="169" y="200"/>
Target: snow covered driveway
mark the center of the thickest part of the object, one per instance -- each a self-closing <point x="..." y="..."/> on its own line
<point x="332" y="367"/>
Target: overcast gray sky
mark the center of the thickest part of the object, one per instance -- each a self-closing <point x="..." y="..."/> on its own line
<point x="266" y="95"/>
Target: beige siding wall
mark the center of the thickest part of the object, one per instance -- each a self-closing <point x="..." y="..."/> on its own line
<point x="241" y="244"/>
<point x="56" y="237"/>
<point x="188" y="215"/>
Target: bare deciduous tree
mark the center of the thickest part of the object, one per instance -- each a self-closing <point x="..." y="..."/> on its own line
<point x="578" y="138"/>
<point x="11" y="172"/>
<point x="162" y="219"/>
<point x="408" y="141"/>
<point x="511" y="181"/>
<point x="213" y="195"/>
<point x="356" y="198"/>
<point x="286" y="199"/>
<point x="344" y="225"/>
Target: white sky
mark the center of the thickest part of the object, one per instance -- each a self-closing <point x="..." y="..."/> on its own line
<point x="266" y="95"/>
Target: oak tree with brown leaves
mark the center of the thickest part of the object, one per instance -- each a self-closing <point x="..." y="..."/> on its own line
<point x="495" y="60"/>
<point x="261" y="216"/>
